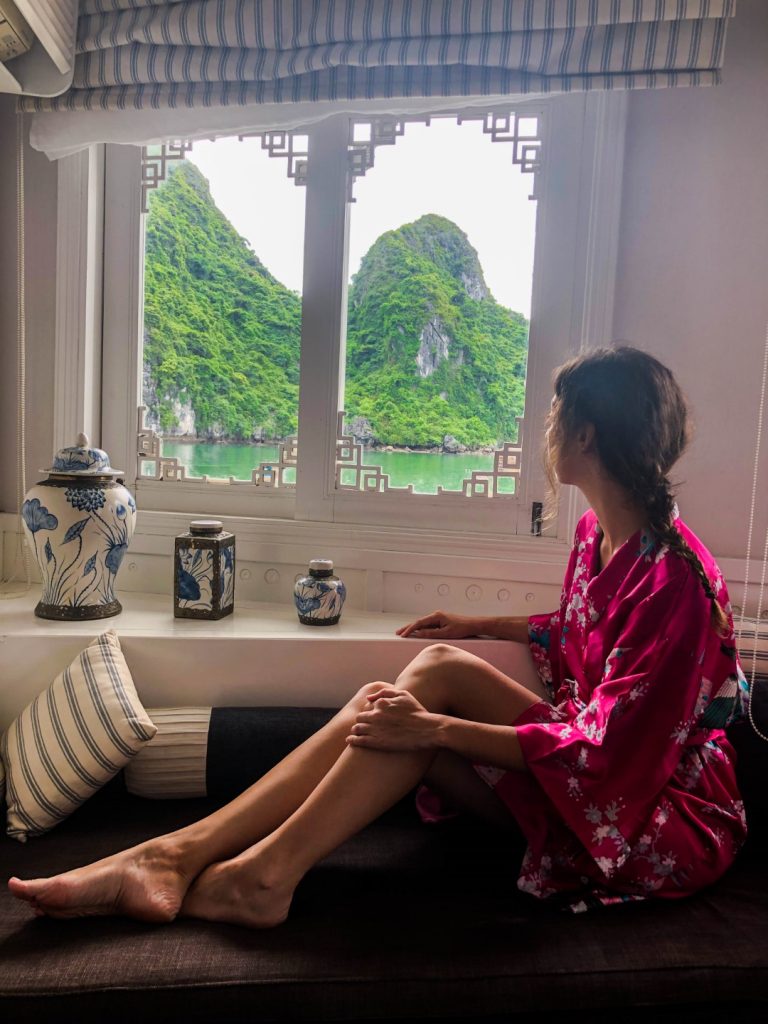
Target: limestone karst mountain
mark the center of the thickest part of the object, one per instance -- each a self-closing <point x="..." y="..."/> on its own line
<point x="430" y="352"/>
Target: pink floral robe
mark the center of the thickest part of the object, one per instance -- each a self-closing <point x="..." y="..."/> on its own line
<point x="629" y="793"/>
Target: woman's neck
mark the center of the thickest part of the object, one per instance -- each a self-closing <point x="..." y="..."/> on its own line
<point x="619" y="518"/>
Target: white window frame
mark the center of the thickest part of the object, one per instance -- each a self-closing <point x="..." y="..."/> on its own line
<point x="573" y="292"/>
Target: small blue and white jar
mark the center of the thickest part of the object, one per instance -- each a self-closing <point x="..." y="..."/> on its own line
<point x="79" y="523"/>
<point x="204" y="571"/>
<point x="319" y="597"/>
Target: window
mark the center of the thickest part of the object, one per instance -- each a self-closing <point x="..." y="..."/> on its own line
<point x="566" y="151"/>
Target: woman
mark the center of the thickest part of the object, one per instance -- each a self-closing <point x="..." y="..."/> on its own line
<point x="624" y="787"/>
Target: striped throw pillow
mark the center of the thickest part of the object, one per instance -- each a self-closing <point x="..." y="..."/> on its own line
<point x="173" y="765"/>
<point x="752" y="643"/>
<point x="72" y="739"/>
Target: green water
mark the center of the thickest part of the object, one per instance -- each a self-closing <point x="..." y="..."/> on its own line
<point x="425" y="471"/>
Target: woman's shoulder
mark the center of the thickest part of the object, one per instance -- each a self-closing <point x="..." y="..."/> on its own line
<point x="707" y="560"/>
<point x="586" y="526"/>
<point x="669" y="569"/>
<point x="698" y="547"/>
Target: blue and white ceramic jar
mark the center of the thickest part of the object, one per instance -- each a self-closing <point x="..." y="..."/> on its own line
<point x="79" y="523"/>
<point x="204" y="572"/>
<point x="319" y="597"/>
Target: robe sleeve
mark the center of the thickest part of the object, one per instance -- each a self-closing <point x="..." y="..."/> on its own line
<point x="544" y="636"/>
<point x="544" y="643"/>
<point x="603" y="766"/>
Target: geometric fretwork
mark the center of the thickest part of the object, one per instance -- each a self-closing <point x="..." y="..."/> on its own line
<point x="272" y="474"/>
<point x="521" y="129"/>
<point x="350" y="460"/>
<point x="365" y="134"/>
<point x="154" y="165"/>
<point x="292" y="145"/>
<point x="269" y="475"/>
<point x="149" y="448"/>
<point x="155" y="159"/>
<point x="484" y="483"/>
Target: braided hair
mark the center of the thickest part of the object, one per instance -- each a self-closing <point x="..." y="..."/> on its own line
<point x="641" y="429"/>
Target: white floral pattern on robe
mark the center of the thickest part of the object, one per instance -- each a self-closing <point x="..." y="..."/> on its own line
<point x="628" y="793"/>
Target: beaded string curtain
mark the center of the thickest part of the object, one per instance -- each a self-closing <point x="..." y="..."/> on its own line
<point x="138" y="54"/>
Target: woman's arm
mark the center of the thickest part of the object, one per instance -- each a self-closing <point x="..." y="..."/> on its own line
<point x="480" y="742"/>
<point x="396" y="721"/>
<point x="447" y="626"/>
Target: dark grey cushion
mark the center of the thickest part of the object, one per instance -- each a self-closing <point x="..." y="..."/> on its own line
<point x="244" y="743"/>
<point x="402" y="922"/>
<point x="752" y="753"/>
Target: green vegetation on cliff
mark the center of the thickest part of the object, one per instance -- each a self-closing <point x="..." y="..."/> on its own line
<point x="220" y="333"/>
<point x="429" y="350"/>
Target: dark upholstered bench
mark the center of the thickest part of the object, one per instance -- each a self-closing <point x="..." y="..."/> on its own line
<point x="404" y="922"/>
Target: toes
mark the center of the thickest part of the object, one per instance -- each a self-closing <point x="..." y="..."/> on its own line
<point x="25" y="889"/>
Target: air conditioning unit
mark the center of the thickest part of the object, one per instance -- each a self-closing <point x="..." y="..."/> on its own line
<point x="37" y="46"/>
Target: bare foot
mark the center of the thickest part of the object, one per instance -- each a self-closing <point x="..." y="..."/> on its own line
<point x="144" y="882"/>
<point x="239" y="891"/>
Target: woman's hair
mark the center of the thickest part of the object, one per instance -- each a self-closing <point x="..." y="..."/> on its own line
<point x="641" y="429"/>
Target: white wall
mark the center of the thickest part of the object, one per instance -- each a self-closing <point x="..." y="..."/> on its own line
<point x="693" y="269"/>
<point x="692" y="283"/>
<point x="40" y="236"/>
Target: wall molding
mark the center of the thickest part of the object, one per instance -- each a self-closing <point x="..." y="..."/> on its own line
<point x="387" y="568"/>
<point x="77" y="348"/>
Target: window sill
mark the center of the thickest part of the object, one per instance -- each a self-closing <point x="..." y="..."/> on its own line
<point x="259" y="655"/>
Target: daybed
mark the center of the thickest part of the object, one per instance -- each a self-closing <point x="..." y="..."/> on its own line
<point x="403" y="922"/>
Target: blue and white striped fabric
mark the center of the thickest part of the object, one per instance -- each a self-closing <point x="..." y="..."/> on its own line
<point x="135" y="54"/>
<point x="752" y="645"/>
<point x="72" y="739"/>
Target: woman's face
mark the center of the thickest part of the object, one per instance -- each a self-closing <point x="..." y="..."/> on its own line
<point x="563" y="453"/>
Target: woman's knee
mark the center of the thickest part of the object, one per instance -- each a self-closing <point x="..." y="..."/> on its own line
<point x="360" y="699"/>
<point x="436" y="657"/>
<point x="436" y="663"/>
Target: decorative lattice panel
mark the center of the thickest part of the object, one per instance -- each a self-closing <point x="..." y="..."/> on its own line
<point x="291" y="146"/>
<point x="519" y="129"/>
<point x="506" y="467"/>
<point x="271" y="475"/>
<point x="294" y="148"/>
<point x="364" y="136"/>
<point x="350" y="461"/>
<point x="154" y="165"/>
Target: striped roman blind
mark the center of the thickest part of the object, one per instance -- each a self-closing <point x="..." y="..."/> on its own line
<point x="136" y="54"/>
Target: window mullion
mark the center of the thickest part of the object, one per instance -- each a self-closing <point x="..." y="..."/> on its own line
<point x="324" y="305"/>
<point x="77" y="367"/>
<point x="123" y="306"/>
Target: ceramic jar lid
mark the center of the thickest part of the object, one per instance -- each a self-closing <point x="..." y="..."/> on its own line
<point x="205" y="527"/>
<point x="321" y="565"/>
<point x="82" y="460"/>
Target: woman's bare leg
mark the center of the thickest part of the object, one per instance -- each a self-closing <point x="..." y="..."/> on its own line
<point x="256" y="887"/>
<point x="149" y="881"/>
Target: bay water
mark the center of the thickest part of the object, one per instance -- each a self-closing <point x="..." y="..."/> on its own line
<point x="424" y="470"/>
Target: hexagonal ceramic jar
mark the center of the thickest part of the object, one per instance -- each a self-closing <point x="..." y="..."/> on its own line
<point x="79" y="523"/>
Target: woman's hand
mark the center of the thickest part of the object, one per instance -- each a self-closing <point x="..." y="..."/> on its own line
<point x="395" y="722"/>
<point x="442" y="626"/>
